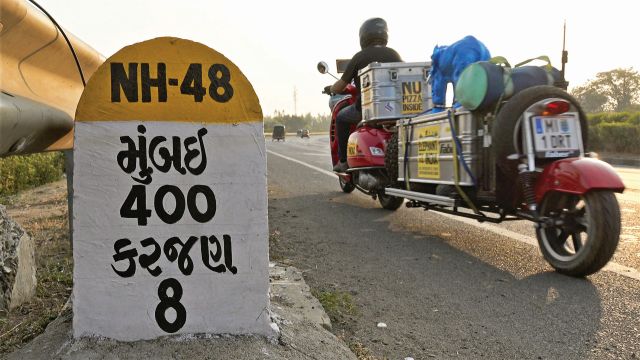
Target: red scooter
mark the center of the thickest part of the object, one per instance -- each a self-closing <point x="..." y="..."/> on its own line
<point x="523" y="159"/>
<point x="365" y="154"/>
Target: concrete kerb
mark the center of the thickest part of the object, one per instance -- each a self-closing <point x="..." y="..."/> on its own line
<point x="635" y="162"/>
<point x="300" y="317"/>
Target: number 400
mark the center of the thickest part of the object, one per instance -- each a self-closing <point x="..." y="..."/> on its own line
<point x="135" y="205"/>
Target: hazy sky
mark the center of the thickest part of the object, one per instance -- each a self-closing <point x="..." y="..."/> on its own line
<point x="277" y="44"/>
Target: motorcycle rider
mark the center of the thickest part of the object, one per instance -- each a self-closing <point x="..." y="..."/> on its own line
<point x="373" y="42"/>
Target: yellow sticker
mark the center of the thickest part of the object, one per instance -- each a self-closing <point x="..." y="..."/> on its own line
<point x="169" y="79"/>
<point x="366" y="96"/>
<point x="352" y="149"/>
<point x="412" y="97"/>
<point x="428" y="152"/>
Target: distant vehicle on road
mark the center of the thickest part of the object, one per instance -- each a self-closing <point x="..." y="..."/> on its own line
<point x="278" y="133"/>
<point x="303" y="133"/>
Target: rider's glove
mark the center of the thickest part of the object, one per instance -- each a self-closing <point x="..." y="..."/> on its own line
<point x="327" y="89"/>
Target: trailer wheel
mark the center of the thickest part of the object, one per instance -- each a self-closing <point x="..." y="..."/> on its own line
<point x="588" y="235"/>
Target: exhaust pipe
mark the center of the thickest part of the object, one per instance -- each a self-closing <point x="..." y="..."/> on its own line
<point x="368" y="181"/>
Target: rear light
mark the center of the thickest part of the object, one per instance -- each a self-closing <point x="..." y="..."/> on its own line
<point x="556" y="107"/>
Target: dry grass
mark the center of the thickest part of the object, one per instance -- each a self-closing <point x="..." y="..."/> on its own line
<point x="337" y="304"/>
<point x="43" y="214"/>
<point x="361" y="351"/>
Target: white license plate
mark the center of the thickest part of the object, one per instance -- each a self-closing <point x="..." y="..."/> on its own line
<point x="556" y="136"/>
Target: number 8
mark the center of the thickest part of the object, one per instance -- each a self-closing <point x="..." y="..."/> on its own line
<point x="220" y="82"/>
<point x="170" y="302"/>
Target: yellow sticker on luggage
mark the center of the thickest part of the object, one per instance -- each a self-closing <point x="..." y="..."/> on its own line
<point x="366" y="96"/>
<point x="428" y="150"/>
<point x="412" y="97"/>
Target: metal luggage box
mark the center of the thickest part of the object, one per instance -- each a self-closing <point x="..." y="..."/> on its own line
<point x="394" y="90"/>
<point x="430" y="150"/>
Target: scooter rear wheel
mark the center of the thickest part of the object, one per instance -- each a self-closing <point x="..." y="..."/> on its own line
<point x="390" y="202"/>
<point x="589" y="233"/>
<point x="346" y="187"/>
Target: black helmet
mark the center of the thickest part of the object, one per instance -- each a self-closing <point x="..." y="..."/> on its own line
<point x="373" y="31"/>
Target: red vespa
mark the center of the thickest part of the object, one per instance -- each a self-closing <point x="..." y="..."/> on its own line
<point x="365" y="151"/>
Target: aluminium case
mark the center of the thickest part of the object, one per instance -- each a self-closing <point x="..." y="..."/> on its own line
<point x="395" y="90"/>
<point x="427" y="143"/>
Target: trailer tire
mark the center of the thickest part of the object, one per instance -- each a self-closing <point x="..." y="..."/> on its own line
<point x="598" y="215"/>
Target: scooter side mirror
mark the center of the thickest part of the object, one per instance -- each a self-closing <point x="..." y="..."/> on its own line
<point x="323" y="68"/>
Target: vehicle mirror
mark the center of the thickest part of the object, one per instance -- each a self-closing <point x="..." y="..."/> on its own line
<point x="323" y="68"/>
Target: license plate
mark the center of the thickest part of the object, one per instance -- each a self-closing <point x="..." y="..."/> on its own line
<point x="556" y="136"/>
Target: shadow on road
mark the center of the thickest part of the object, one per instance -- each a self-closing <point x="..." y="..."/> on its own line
<point x="437" y="295"/>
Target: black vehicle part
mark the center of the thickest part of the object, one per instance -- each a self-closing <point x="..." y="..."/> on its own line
<point x="346" y="187"/>
<point x="587" y="233"/>
<point x="391" y="158"/>
<point x="390" y="202"/>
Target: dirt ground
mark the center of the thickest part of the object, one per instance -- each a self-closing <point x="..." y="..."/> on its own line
<point x="42" y="212"/>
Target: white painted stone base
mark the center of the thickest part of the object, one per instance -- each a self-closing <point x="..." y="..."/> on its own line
<point x="124" y="308"/>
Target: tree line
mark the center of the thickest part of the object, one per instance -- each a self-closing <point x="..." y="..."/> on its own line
<point x="617" y="90"/>
<point x="292" y="123"/>
<point x="612" y="104"/>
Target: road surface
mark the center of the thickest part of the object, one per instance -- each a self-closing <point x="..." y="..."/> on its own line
<point x="447" y="288"/>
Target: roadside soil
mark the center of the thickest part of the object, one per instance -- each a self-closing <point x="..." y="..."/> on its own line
<point x="42" y="212"/>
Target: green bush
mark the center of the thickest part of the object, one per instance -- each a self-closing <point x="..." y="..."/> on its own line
<point x="615" y="132"/>
<point x="22" y="172"/>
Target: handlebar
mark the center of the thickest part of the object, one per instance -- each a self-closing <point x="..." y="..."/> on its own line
<point x="350" y="90"/>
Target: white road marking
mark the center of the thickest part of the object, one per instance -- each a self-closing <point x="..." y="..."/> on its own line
<point x="611" y="266"/>
<point x="326" y="172"/>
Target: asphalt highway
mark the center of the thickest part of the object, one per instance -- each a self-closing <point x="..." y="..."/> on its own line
<point x="447" y="287"/>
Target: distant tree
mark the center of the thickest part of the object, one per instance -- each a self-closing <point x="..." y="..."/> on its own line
<point x="591" y="100"/>
<point x="615" y="90"/>
<point x="295" y="122"/>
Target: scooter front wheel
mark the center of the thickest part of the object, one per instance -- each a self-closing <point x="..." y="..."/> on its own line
<point x="587" y="234"/>
<point x="346" y="187"/>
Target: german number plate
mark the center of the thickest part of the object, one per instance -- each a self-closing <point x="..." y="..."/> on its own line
<point x="557" y="136"/>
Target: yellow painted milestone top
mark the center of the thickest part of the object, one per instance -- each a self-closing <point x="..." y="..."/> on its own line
<point x="169" y="79"/>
